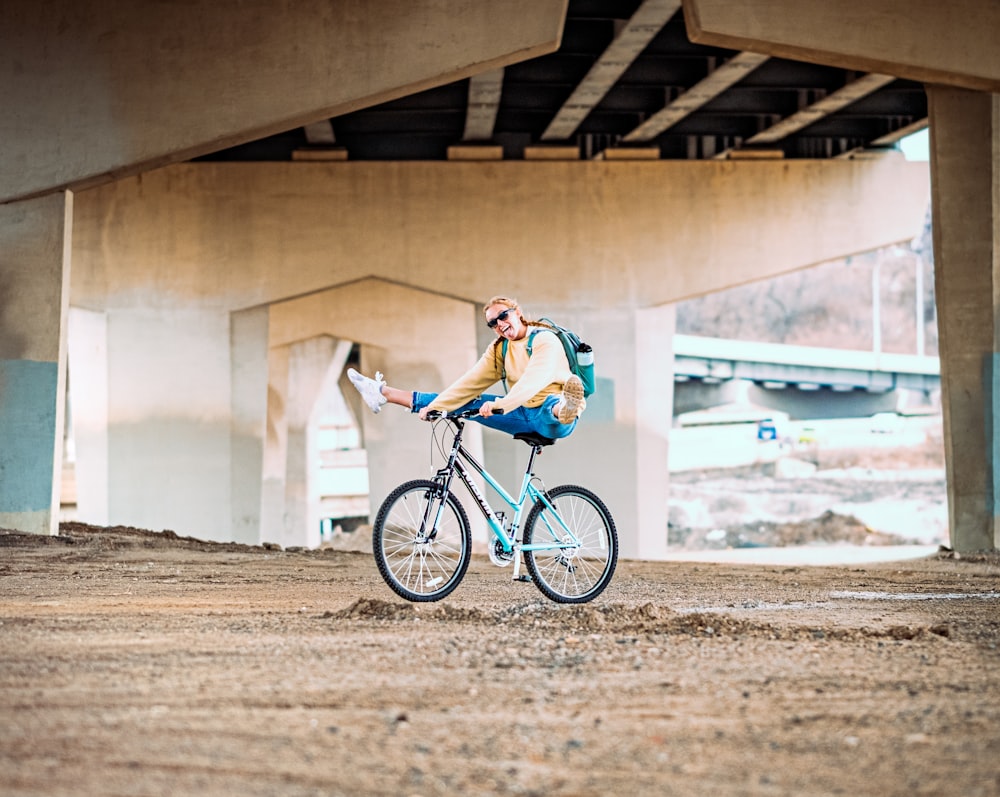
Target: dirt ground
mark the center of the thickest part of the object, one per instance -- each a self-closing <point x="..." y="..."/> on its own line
<point x="138" y="663"/>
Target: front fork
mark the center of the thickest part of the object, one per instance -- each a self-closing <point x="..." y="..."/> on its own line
<point x="443" y="480"/>
<point x="435" y="504"/>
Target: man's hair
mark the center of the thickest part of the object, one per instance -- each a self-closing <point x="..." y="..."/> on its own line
<point x="505" y="301"/>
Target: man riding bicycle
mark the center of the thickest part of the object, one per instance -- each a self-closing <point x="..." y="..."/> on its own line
<point x="544" y="396"/>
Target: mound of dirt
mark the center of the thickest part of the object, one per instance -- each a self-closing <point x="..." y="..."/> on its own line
<point x="574" y="622"/>
<point x="118" y="537"/>
<point x="828" y="529"/>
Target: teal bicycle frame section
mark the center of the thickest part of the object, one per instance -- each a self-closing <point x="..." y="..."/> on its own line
<point x="517" y="506"/>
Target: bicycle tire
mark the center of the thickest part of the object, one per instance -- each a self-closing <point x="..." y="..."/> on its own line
<point x="572" y="575"/>
<point x="415" y="567"/>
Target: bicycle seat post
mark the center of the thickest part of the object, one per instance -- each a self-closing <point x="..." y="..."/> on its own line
<point x="535" y="450"/>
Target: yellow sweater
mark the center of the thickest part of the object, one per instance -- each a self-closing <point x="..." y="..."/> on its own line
<point x="530" y="380"/>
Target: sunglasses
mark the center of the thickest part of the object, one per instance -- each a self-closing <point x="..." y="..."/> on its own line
<point x="492" y="323"/>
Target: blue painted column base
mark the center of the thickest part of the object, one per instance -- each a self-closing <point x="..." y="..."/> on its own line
<point x="28" y="420"/>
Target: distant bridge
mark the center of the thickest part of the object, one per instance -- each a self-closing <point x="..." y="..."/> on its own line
<point x="866" y="381"/>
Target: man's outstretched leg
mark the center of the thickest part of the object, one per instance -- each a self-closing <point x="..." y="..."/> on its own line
<point x="571" y="401"/>
<point x="376" y="393"/>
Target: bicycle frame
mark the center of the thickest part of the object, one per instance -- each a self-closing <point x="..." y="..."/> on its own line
<point x="457" y="461"/>
<point x="422" y="539"/>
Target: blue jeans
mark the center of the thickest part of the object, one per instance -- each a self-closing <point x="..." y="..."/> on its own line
<point x="539" y="420"/>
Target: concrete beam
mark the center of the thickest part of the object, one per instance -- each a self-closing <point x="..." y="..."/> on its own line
<point x="953" y="43"/>
<point x="635" y="233"/>
<point x="96" y="90"/>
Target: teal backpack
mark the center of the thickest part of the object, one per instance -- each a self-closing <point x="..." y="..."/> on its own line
<point x="579" y="354"/>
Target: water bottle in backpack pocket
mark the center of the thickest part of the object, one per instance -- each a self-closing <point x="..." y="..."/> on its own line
<point x="585" y="367"/>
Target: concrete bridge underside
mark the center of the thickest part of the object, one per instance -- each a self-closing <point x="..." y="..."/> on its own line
<point x="209" y="300"/>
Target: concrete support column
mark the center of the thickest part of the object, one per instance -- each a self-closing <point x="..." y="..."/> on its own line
<point x="619" y="450"/>
<point x="88" y="396"/>
<point x="34" y="295"/>
<point x="310" y="367"/>
<point x="308" y="362"/>
<point x="303" y="388"/>
<point x="169" y="412"/>
<point x="654" y="401"/>
<point x="248" y="364"/>
<point x="965" y="177"/>
<point x="275" y="458"/>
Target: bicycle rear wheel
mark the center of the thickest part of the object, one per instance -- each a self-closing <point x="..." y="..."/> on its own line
<point x="421" y="561"/>
<point x="571" y="574"/>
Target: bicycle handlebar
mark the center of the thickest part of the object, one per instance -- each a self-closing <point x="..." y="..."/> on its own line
<point x="434" y="415"/>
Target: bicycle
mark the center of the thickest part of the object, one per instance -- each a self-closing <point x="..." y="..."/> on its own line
<point x="422" y="540"/>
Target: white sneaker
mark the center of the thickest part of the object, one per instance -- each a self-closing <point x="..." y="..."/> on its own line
<point x="370" y="389"/>
<point x="570" y="404"/>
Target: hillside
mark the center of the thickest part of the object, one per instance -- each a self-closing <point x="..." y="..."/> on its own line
<point x="829" y="304"/>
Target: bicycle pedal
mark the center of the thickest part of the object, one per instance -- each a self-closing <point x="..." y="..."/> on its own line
<point x="526" y="579"/>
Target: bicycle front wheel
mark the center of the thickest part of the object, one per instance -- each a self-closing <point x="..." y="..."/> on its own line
<point x="422" y="541"/>
<point x="565" y="570"/>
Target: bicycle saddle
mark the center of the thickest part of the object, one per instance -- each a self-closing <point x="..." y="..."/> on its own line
<point x="533" y="439"/>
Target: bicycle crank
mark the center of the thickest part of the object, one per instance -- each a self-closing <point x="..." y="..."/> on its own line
<point x="498" y="555"/>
